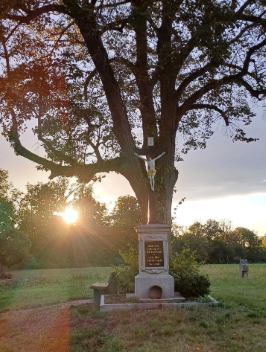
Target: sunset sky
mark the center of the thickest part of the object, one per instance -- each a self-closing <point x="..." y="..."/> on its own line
<point x="225" y="181"/>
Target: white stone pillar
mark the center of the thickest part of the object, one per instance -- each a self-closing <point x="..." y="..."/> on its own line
<point x="154" y="262"/>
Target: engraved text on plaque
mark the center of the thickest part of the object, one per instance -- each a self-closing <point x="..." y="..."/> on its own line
<point x="154" y="256"/>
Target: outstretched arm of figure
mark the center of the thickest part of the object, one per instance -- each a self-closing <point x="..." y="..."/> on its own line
<point x="140" y="157"/>
<point x="159" y="156"/>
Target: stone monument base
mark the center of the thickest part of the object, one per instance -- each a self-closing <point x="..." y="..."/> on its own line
<point x="154" y="281"/>
<point x="154" y="286"/>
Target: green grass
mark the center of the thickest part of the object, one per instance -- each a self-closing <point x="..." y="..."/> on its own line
<point x="228" y="286"/>
<point x="228" y="329"/>
<point x="31" y="288"/>
<point x="237" y="325"/>
<point x="49" y="286"/>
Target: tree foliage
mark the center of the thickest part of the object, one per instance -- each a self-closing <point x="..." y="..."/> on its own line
<point x="125" y="273"/>
<point x="219" y="243"/>
<point x="14" y="247"/>
<point x="122" y="221"/>
<point x="99" y="77"/>
<point x="36" y="212"/>
<point x="7" y="218"/>
<point x="263" y="241"/>
<point x="14" y="244"/>
<point x="95" y="238"/>
<point x="54" y="242"/>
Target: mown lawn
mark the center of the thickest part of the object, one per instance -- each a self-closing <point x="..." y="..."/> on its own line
<point x="238" y="324"/>
<point x="32" y="288"/>
<point x="228" y="286"/>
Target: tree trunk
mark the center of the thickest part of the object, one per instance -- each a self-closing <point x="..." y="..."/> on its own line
<point x="165" y="181"/>
<point x="165" y="196"/>
<point x="137" y="177"/>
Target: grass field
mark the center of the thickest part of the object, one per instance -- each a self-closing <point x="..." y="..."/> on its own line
<point x="238" y="324"/>
<point x="32" y="288"/>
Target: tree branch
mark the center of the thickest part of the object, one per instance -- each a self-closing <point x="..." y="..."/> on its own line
<point x="112" y="5"/>
<point x="155" y="77"/>
<point x="125" y="62"/>
<point x="254" y="93"/>
<point x="244" y="6"/>
<point x="190" y="45"/>
<point x="227" y="79"/>
<point x="32" y="14"/>
<point x="254" y="19"/>
<point x="239" y="35"/>
<point x="84" y="172"/>
<point x="250" y="52"/>
<point x="87" y="172"/>
<point x="117" y="26"/>
<point x="91" y="34"/>
<point x="194" y="75"/>
<point x="87" y="82"/>
<point x="212" y="107"/>
<point x="139" y="23"/>
<point x="61" y="156"/>
<point x="20" y="150"/>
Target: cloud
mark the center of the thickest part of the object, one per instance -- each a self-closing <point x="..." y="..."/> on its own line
<point x="225" y="168"/>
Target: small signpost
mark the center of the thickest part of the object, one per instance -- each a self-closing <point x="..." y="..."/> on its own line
<point x="150" y="141"/>
<point x="151" y="150"/>
<point x="243" y="268"/>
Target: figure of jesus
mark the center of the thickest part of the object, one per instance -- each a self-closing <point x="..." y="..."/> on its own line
<point x="151" y="167"/>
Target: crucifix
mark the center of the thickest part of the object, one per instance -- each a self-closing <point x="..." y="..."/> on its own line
<point x="151" y="153"/>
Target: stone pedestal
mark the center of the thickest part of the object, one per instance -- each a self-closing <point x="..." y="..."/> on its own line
<point x="154" y="280"/>
<point x="243" y="268"/>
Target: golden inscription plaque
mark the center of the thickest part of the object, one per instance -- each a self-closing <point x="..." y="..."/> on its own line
<point x="154" y="254"/>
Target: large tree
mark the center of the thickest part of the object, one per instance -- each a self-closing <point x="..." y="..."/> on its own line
<point x="100" y="76"/>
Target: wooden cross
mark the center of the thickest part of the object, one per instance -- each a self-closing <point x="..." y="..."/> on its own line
<point x="152" y="152"/>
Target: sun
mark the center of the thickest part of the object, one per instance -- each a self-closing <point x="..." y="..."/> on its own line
<point x="70" y="216"/>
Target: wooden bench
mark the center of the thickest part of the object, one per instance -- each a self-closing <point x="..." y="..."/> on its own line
<point x="102" y="288"/>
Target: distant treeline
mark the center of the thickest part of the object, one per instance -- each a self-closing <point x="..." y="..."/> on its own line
<point x="218" y="243"/>
<point x="32" y="236"/>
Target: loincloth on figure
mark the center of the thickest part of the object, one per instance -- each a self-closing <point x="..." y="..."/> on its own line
<point x="151" y="173"/>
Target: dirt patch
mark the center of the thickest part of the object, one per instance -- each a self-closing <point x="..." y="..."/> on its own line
<point x="115" y="299"/>
<point x="34" y="330"/>
<point x="45" y="329"/>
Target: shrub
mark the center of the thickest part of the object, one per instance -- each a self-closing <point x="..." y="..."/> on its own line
<point x="125" y="279"/>
<point x="192" y="285"/>
<point x="125" y="273"/>
<point x="188" y="280"/>
<point x="131" y="258"/>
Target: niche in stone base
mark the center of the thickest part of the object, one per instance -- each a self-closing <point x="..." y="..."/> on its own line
<point x="154" y="286"/>
<point x="155" y="292"/>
